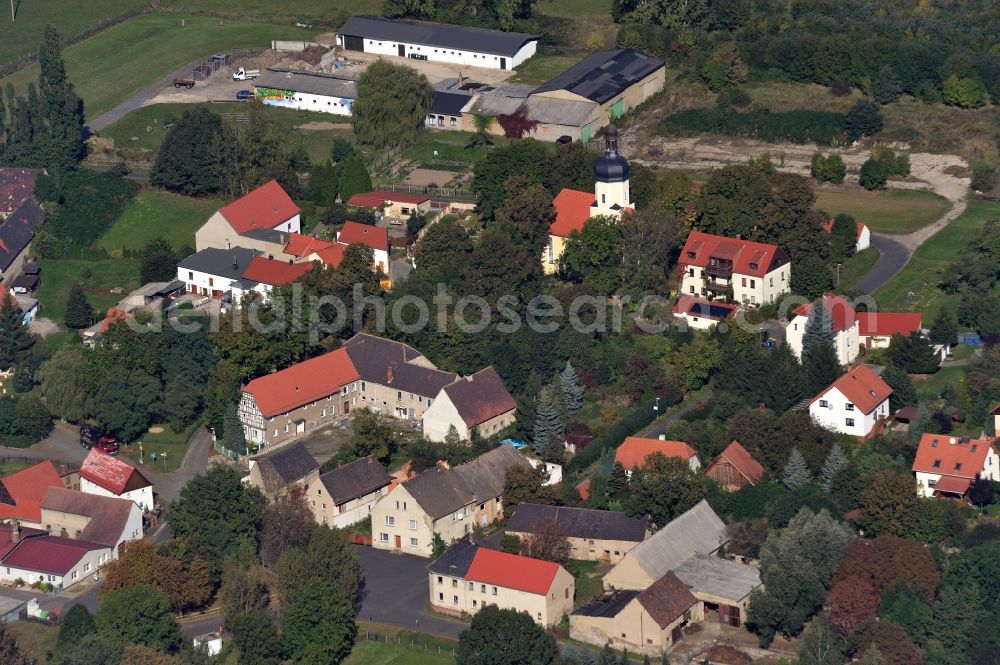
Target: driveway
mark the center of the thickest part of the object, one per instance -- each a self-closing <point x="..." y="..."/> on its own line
<point x="168" y="485"/>
<point x="893" y="255"/>
<point x="397" y="593"/>
<point x="62" y="445"/>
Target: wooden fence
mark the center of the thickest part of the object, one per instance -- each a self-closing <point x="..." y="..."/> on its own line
<point x="360" y="539"/>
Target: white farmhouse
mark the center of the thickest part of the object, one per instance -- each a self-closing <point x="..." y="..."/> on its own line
<point x="844" y="324"/>
<point x="478" y="403"/>
<point x="105" y="475"/>
<point x="212" y="271"/>
<point x="853" y="404"/>
<point x="437" y="42"/>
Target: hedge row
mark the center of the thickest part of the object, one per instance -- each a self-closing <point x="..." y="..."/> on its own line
<point x="641" y="416"/>
<point x="823" y="127"/>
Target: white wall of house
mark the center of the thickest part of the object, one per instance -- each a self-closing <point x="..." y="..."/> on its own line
<point x="143" y="497"/>
<point x="864" y="239"/>
<point x="456" y="595"/>
<point x="453" y="56"/>
<point x="696" y="322"/>
<point x="81" y="570"/>
<point x="835" y="412"/>
<point x="203" y="283"/>
<point x="747" y="289"/>
<point x="440" y="416"/>
<point x="845" y="342"/>
<point x="305" y="101"/>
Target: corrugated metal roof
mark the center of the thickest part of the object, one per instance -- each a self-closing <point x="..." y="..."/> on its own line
<point x="719" y="577"/>
<point x="698" y="531"/>
<point x="602" y="75"/>
<point x="315" y="83"/>
<point x="476" y="40"/>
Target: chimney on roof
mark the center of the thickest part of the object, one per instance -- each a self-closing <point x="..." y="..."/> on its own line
<point x="282" y="236"/>
<point x="15" y="531"/>
<point x="662" y="437"/>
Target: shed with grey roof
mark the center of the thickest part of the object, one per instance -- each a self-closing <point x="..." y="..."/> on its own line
<point x="439" y="42"/>
<point x="719" y="580"/>
<point x="305" y="90"/>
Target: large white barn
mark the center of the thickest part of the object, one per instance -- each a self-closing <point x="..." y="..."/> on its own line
<point x="460" y="45"/>
<point x="306" y="91"/>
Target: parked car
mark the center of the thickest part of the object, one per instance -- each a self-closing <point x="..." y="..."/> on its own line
<point x="565" y="138"/>
<point x="91" y="436"/>
<point x="242" y="95"/>
<point x="243" y="74"/>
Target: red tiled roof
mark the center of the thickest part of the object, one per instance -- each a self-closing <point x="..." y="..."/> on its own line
<point x="27" y="488"/>
<point x="111" y="473"/>
<point x="378" y="199"/>
<point x="635" y="449"/>
<point x="16" y="185"/>
<point x="49" y="554"/>
<point x="302" y="245"/>
<point x="480" y="397"/>
<point x="862" y="386"/>
<point x="953" y="485"/>
<point x="266" y="207"/>
<point x="950" y="456"/>
<point x="828" y="227"/>
<point x="741" y="252"/>
<point x="841" y="311"/>
<point x="886" y="324"/>
<point x="355" y="233"/>
<point x="583" y="489"/>
<point x="332" y="255"/>
<point x="512" y="571"/>
<point x="275" y="273"/>
<point x="742" y="461"/>
<point x="302" y="383"/>
<point x="572" y="211"/>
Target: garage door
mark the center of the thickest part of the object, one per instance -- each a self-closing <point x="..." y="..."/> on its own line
<point x="617" y="109"/>
<point x="352" y="43"/>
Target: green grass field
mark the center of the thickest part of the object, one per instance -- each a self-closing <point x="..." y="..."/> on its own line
<point x="58" y="277"/>
<point x="114" y="64"/>
<point x="69" y="17"/>
<point x="297" y="8"/>
<point x="450" y="147"/>
<point x="923" y="273"/>
<point x="886" y="211"/>
<point x="168" y="441"/>
<point x="149" y="124"/>
<point x="379" y="653"/>
<point x="34" y="638"/>
<point x="155" y="213"/>
<point x="573" y="8"/>
<point x="541" y="68"/>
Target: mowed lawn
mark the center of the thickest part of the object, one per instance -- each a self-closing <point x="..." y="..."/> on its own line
<point x="299" y="8"/>
<point x="149" y="126"/>
<point x="573" y="8"/>
<point x="380" y="653"/>
<point x="58" y="277"/>
<point x="855" y="268"/>
<point x="890" y="211"/>
<point x="69" y="17"/>
<point x="923" y="273"/>
<point x="541" y="68"/>
<point x="109" y="67"/>
<point x="158" y="214"/>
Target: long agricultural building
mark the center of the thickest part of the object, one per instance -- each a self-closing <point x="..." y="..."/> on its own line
<point x="306" y="91"/>
<point x="437" y="42"/>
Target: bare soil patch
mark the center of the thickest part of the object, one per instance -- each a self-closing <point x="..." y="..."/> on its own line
<point x="429" y="177"/>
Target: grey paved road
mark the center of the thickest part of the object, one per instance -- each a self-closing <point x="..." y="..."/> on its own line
<point x="397" y="593"/>
<point x="893" y="255"/>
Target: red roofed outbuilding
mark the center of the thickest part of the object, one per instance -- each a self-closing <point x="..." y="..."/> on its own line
<point x="373" y="237"/>
<point x="105" y="475"/>
<point x="475" y="404"/>
<point x="281" y="405"/>
<point x="863" y="238"/>
<point x="468" y="577"/>
<point x="635" y="451"/>
<point x="857" y="403"/>
<point x="735" y="468"/>
<point x="733" y="269"/>
<point x="876" y="329"/>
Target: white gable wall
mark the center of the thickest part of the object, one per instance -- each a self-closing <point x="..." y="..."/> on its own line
<point x="143" y="497"/>
<point x="441" y="415"/>
<point x="834" y="412"/>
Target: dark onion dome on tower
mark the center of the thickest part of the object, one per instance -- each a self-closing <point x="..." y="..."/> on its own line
<point x="611" y="167"/>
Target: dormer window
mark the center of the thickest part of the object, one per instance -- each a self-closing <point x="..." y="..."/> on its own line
<point x="754" y="266"/>
<point x="974" y="446"/>
<point x="690" y="255"/>
<point x="958" y="466"/>
<point x="933" y="443"/>
<point x="937" y="464"/>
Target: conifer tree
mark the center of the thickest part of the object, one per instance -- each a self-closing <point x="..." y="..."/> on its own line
<point x="903" y="392"/>
<point x="819" y="358"/>
<point x="61" y="108"/>
<point x="572" y="389"/>
<point x="944" y="329"/>
<point x="835" y="462"/>
<point x="918" y="424"/>
<point x="354" y="178"/>
<point x="548" y="422"/>
<point x="15" y="339"/>
<point x="796" y="473"/>
<point x="79" y="313"/>
<point x="232" y="432"/>
<point x="617" y="482"/>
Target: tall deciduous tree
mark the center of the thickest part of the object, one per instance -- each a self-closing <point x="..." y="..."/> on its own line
<point x="594" y="255"/>
<point x="61" y="379"/>
<point x="287" y="522"/>
<point x="524" y="485"/>
<point x="903" y="392"/>
<point x="243" y="589"/>
<point x="77" y="623"/>
<point x="820" y="645"/>
<point x="383" y="120"/>
<point x="185" y="162"/>
<point x="248" y="154"/>
<point x="138" y="615"/>
<point x="664" y="488"/>
<point x="733" y="200"/>
<point x="505" y="637"/>
<point x="328" y="557"/>
<point x="443" y="250"/>
<point x="181" y="401"/>
<point x="373" y="435"/>
<point x="317" y="626"/>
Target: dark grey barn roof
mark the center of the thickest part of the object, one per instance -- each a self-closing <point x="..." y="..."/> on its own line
<point x="602" y="75"/>
<point x="608" y="605"/>
<point x="373" y="357"/>
<point x="580" y="522"/>
<point x="285" y="466"/>
<point x="356" y="479"/>
<point x="449" y="103"/>
<point x="220" y="262"/>
<point x="457" y="37"/>
<point x="314" y="83"/>
<point x="456" y="559"/>
<point x="18" y="230"/>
